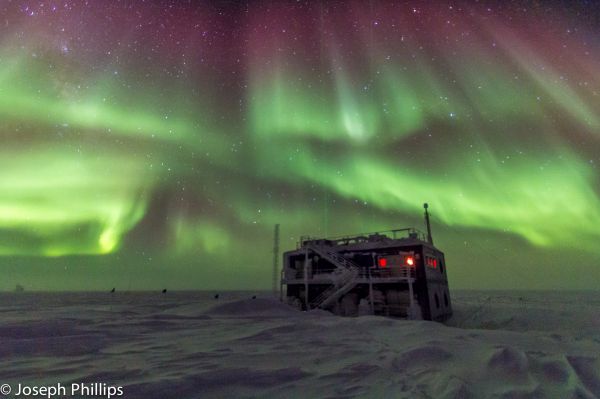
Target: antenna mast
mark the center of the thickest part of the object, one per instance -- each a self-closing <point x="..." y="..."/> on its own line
<point x="429" y="238"/>
<point x="275" y="258"/>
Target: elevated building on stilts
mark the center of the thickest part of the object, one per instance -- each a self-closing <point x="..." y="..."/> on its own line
<point x="398" y="273"/>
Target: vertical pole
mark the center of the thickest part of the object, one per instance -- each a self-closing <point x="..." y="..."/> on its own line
<point x="306" y="279"/>
<point x="371" y="285"/>
<point x="275" y="258"/>
<point x="411" y="297"/>
<point x="281" y="286"/>
<point x="429" y="238"/>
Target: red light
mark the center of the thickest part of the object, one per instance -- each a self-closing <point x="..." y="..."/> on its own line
<point x="435" y="263"/>
<point x="410" y="261"/>
<point x="382" y="262"/>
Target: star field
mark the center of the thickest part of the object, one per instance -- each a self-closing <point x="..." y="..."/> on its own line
<point x="157" y="142"/>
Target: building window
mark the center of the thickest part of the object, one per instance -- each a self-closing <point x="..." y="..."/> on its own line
<point x="431" y="262"/>
<point x="437" y="301"/>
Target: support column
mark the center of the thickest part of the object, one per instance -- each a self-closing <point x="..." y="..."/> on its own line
<point x="306" y="279"/>
<point x="371" y="285"/>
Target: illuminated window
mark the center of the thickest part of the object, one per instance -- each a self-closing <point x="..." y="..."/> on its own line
<point x="382" y="262"/>
<point x="431" y="262"/>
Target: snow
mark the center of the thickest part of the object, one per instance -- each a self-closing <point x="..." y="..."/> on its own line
<point x="190" y="345"/>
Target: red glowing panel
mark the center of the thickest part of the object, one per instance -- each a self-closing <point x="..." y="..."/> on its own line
<point x="382" y="262"/>
<point x="410" y="261"/>
<point x="435" y="263"/>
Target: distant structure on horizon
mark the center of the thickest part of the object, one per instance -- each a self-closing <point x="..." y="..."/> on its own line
<point x="19" y="288"/>
<point x="395" y="273"/>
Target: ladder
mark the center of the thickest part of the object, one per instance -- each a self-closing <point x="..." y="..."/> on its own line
<point x="343" y="278"/>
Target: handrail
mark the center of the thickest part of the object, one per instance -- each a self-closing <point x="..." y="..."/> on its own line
<point x="346" y="272"/>
<point x="409" y="230"/>
<point x="398" y="271"/>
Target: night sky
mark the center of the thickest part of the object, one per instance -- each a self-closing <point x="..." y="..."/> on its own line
<point x="155" y="144"/>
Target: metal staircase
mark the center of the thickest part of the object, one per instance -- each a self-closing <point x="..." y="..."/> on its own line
<point x="343" y="278"/>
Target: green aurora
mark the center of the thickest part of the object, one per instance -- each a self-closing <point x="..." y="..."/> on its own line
<point x="120" y="171"/>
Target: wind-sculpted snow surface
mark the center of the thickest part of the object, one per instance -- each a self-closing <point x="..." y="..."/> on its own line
<point x="190" y="345"/>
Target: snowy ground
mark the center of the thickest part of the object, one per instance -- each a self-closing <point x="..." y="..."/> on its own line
<point x="189" y="345"/>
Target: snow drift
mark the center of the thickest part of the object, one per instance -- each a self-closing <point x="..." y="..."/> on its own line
<point x="189" y="345"/>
